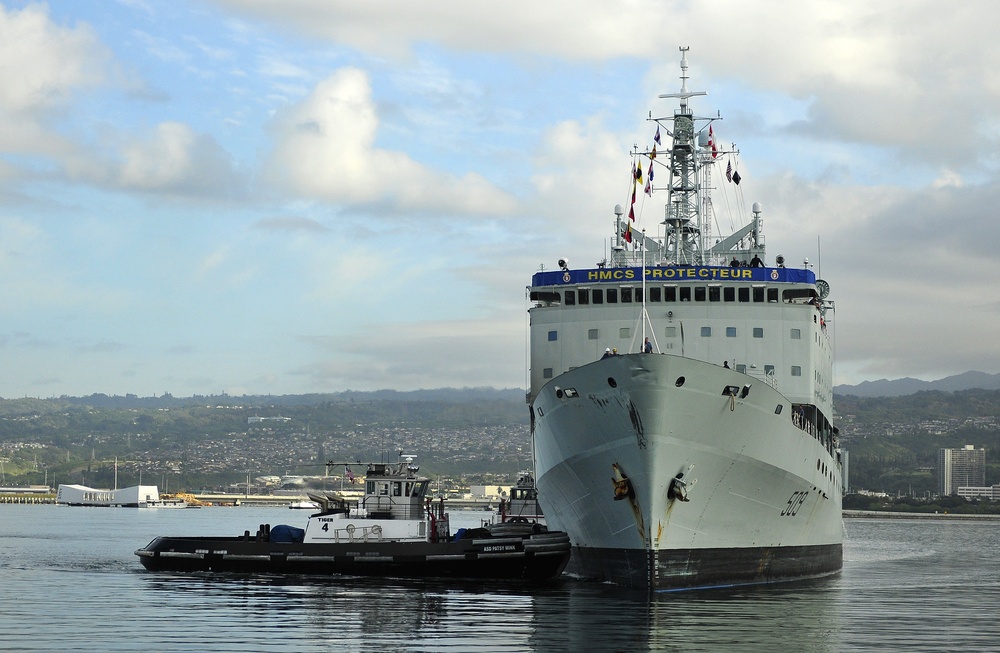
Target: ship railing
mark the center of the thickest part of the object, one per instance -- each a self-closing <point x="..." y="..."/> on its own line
<point x="767" y="376"/>
<point x="352" y="533"/>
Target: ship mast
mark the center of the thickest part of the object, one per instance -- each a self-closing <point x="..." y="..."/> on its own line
<point x="682" y="219"/>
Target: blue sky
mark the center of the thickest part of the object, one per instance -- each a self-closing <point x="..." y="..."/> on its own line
<point x="317" y="195"/>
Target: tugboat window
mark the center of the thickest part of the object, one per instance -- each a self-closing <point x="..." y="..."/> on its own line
<point x="547" y="373"/>
<point x="612" y="382"/>
<point x="758" y="332"/>
<point x="796" y="370"/>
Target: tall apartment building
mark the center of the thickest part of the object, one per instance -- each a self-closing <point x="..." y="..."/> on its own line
<point x="957" y="468"/>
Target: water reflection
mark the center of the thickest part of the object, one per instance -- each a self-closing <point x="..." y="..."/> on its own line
<point x="383" y="614"/>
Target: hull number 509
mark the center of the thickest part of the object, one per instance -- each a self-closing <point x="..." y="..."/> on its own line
<point x="794" y="503"/>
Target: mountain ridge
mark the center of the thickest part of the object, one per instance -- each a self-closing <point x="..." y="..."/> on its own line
<point x="908" y="385"/>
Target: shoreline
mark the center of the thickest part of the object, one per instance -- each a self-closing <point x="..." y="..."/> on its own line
<point x="882" y="514"/>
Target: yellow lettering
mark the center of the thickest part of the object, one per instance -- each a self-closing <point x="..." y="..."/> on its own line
<point x="669" y="273"/>
<point x="703" y="273"/>
<point x="630" y="274"/>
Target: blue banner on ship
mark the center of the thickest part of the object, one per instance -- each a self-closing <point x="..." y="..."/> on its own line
<point x="669" y="274"/>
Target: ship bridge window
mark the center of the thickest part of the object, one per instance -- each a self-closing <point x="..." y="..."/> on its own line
<point x="598" y="296"/>
<point x="714" y="293"/>
<point x="627" y="295"/>
<point x="583" y="295"/>
<point x="670" y="293"/>
<point x="655" y="294"/>
<point x="685" y="293"/>
<point x="729" y="294"/>
<point x="545" y="296"/>
<point x="797" y="295"/>
<point x="593" y="334"/>
<point x="612" y="295"/>
<point x="744" y="294"/>
<point x="758" y="293"/>
<point x="569" y="298"/>
<point x="699" y="293"/>
<point x="772" y="295"/>
<point x="397" y="489"/>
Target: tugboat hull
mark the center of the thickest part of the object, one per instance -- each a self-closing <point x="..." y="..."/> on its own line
<point x="533" y="556"/>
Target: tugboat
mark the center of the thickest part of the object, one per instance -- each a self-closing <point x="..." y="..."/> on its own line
<point x="395" y="529"/>
<point x="522" y="505"/>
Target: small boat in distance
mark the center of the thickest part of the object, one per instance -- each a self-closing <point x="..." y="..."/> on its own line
<point x="303" y="505"/>
<point x="394" y="529"/>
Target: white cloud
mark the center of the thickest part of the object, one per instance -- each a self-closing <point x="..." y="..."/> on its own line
<point x="42" y="67"/>
<point x="325" y="149"/>
<point x="175" y="158"/>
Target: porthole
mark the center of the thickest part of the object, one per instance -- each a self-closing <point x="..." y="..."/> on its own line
<point x="777" y="409"/>
<point x="679" y="382"/>
<point x="559" y="393"/>
<point x="612" y="382"/>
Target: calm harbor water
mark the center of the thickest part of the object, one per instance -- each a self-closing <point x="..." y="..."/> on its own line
<point x="69" y="582"/>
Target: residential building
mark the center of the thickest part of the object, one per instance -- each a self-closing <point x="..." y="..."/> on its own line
<point x="957" y="468"/>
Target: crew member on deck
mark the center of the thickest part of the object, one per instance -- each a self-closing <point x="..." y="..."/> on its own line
<point x="607" y="353"/>
<point x="647" y="346"/>
<point x="755" y="262"/>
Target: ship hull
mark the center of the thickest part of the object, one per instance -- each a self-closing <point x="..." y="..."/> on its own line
<point x="671" y="473"/>
<point x="529" y="556"/>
